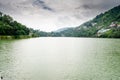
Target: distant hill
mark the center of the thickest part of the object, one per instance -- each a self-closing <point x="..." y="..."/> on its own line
<point x="106" y="24"/>
<point x="62" y="29"/>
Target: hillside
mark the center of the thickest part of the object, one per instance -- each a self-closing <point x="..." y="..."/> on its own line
<point x="103" y="25"/>
<point x="10" y="28"/>
<point x="106" y="25"/>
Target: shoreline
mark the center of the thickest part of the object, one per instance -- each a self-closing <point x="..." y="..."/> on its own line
<point x="9" y="37"/>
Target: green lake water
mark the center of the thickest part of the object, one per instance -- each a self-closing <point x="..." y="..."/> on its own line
<point x="60" y="59"/>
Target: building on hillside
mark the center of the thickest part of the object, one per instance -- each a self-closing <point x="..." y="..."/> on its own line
<point x="102" y="31"/>
<point x="113" y="25"/>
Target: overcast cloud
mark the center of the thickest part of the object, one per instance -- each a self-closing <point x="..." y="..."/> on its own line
<point x="48" y="15"/>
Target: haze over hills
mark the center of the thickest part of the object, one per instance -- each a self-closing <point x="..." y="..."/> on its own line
<point x="50" y="15"/>
<point x="106" y="24"/>
<point x="63" y="29"/>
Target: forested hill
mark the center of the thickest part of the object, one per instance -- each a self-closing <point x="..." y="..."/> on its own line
<point x="103" y="25"/>
<point x="106" y="25"/>
<point x="10" y="27"/>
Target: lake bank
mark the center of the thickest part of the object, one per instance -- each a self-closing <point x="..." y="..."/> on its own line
<point x="8" y="37"/>
<point x="14" y="37"/>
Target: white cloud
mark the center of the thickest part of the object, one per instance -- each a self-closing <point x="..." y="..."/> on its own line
<point x="50" y="15"/>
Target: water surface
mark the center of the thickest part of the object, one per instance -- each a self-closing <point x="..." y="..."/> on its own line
<point x="60" y="59"/>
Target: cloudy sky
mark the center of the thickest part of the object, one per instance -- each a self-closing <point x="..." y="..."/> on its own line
<point x="48" y="15"/>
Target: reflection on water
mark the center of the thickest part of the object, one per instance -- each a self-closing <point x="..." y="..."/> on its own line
<point x="60" y="59"/>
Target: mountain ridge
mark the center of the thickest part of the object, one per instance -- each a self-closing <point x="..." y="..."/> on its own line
<point x="106" y="24"/>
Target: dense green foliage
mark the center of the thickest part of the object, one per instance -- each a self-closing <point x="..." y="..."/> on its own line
<point x="105" y="25"/>
<point x="100" y="22"/>
<point x="10" y="27"/>
<point x="113" y="33"/>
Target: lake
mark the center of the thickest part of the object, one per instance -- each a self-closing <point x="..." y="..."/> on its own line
<point x="60" y="59"/>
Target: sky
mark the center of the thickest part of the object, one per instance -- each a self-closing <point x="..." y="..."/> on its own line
<point x="50" y="15"/>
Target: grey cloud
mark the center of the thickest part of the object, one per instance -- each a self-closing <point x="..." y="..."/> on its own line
<point x="88" y="9"/>
<point x="42" y="5"/>
<point x="56" y="12"/>
<point x="11" y="7"/>
<point x="98" y="4"/>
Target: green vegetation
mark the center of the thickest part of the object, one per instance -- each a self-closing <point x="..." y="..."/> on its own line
<point x="10" y="29"/>
<point x="113" y="33"/>
<point x="105" y="25"/>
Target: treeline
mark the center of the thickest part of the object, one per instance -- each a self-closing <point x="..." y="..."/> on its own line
<point x="105" y="25"/>
<point x="113" y="33"/>
<point x="10" y="27"/>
